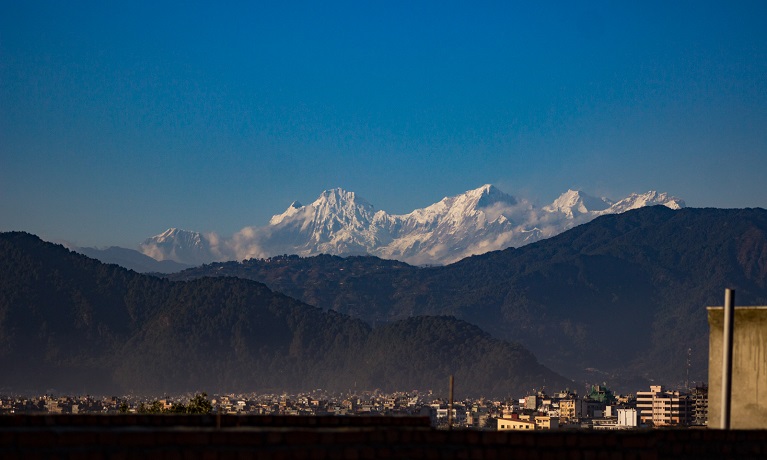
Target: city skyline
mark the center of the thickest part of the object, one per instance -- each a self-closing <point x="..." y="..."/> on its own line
<point x="120" y="121"/>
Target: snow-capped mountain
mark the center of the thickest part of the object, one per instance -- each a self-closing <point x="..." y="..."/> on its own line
<point x="182" y="246"/>
<point x="340" y="222"/>
<point x="574" y="203"/>
<point x="474" y="222"/>
<point x="635" y="201"/>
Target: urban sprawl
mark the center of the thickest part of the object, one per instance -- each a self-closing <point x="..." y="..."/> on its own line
<point x="600" y="409"/>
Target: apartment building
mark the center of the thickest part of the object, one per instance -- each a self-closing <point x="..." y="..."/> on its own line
<point x="659" y="407"/>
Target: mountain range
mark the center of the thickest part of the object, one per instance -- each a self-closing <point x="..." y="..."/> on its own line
<point x="69" y="323"/>
<point x="342" y="223"/>
<point x="620" y="299"/>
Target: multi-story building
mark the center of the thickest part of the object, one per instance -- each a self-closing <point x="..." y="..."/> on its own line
<point x="699" y="398"/>
<point x="658" y="407"/>
<point x="572" y="409"/>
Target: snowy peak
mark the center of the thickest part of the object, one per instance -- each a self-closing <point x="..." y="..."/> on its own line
<point x="179" y="245"/>
<point x="176" y="236"/>
<point x="575" y="202"/>
<point x="488" y="195"/>
<point x="341" y="222"/>
<point x="292" y="210"/>
<point x="651" y="198"/>
<point x="459" y="208"/>
<point x="344" y="205"/>
<point x="336" y="204"/>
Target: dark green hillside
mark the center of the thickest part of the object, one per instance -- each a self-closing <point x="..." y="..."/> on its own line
<point x="232" y="334"/>
<point x="624" y="294"/>
<point x="63" y="315"/>
<point x="73" y="324"/>
<point x="421" y="352"/>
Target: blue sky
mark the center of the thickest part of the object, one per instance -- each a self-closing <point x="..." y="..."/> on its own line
<point x="119" y="120"/>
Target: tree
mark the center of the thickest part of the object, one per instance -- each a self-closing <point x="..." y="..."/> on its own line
<point x="199" y="404"/>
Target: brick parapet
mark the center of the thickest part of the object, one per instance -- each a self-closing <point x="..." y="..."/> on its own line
<point x="392" y="438"/>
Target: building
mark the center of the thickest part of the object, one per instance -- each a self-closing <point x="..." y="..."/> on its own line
<point x="699" y="397"/>
<point x="504" y="424"/>
<point x="545" y="422"/>
<point x="748" y="406"/>
<point x="531" y="402"/>
<point x="659" y="407"/>
<point x="572" y="409"/>
<point x="627" y="418"/>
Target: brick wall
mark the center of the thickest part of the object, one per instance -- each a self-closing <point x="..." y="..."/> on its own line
<point x="188" y="437"/>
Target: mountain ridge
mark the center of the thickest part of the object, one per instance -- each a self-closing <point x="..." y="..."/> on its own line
<point x="623" y="293"/>
<point x="342" y="223"/>
<point x="74" y="324"/>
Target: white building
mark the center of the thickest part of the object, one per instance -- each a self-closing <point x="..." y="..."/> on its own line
<point x="627" y="417"/>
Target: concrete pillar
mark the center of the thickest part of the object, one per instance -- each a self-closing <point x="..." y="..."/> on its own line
<point x="748" y="406"/>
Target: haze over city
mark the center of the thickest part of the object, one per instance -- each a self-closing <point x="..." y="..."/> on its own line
<point x="118" y="121"/>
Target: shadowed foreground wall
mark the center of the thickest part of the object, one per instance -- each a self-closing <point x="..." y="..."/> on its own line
<point x="749" y="368"/>
<point x="185" y="437"/>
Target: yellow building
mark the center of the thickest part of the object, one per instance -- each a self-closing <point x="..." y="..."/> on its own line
<point x="505" y="424"/>
<point x="526" y="423"/>
<point x="544" y="422"/>
<point x="573" y="409"/>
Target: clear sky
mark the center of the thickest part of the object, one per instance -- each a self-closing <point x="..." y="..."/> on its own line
<point x="121" y="119"/>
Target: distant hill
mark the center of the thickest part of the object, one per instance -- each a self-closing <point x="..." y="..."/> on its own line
<point x="132" y="259"/>
<point x="71" y="323"/>
<point x="620" y="299"/>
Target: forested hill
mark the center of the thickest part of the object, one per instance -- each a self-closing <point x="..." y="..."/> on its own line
<point x="71" y="323"/>
<point x="624" y="294"/>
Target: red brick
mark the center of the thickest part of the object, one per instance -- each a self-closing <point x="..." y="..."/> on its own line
<point x="328" y="438"/>
<point x="633" y="441"/>
<point x="553" y="440"/>
<point x="318" y="453"/>
<point x="574" y="454"/>
<point x="140" y="438"/>
<point x="591" y="440"/>
<point x="351" y="454"/>
<point x="302" y="437"/>
<point x="463" y="454"/>
<point x="391" y="436"/>
<point x="189" y="438"/>
<point x="473" y="437"/>
<point x="352" y="437"/>
<point x="190" y="454"/>
<point x="477" y="453"/>
<point x="86" y="438"/>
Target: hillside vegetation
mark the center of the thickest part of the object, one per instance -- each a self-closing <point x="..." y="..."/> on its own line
<point x="71" y="323"/>
<point x="620" y="299"/>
